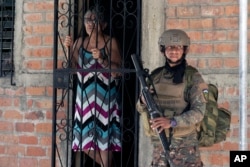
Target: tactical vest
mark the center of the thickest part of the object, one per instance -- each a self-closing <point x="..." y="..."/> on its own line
<point x="170" y="98"/>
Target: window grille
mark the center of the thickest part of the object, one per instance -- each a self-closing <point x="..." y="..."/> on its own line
<point x="7" y="18"/>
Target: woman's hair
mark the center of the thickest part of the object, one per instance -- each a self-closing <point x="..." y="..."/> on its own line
<point x="101" y="17"/>
<point x="97" y="12"/>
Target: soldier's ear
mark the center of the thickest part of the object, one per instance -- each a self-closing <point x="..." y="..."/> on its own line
<point x="162" y="48"/>
<point x="186" y="50"/>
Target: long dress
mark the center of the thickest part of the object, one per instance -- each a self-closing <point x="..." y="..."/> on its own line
<point x="97" y="114"/>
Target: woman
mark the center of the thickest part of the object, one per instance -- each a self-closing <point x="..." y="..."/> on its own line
<point x="181" y="113"/>
<point x="97" y="115"/>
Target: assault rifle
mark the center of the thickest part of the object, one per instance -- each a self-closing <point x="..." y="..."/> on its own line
<point x="153" y="109"/>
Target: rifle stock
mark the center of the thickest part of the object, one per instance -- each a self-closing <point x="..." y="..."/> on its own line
<point x="152" y="107"/>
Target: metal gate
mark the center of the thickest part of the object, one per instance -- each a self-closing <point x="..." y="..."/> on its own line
<point x="123" y="24"/>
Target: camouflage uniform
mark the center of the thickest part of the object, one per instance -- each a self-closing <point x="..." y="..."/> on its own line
<point x="184" y="151"/>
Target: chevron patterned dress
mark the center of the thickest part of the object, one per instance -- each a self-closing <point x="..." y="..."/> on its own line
<point x="97" y="115"/>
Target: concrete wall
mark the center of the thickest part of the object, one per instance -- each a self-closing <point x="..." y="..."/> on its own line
<point x="153" y="21"/>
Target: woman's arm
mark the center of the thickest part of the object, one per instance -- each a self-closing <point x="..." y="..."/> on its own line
<point x="74" y="48"/>
<point x="115" y="57"/>
<point x="115" y="54"/>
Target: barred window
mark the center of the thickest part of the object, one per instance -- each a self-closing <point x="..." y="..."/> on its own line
<point x="7" y="18"/>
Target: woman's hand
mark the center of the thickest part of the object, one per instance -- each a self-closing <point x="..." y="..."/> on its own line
<point x="96" y="53"/>
<point x="160" y="123"/>
<point x="68" y="41"/>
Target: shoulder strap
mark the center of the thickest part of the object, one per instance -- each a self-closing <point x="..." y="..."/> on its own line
<point x="188" y="77"/>
<point x="106" y="42"/>
<point x="156" y="71"/>
<point x="153" y="77"/>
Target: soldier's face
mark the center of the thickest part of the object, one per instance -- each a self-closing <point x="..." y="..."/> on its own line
<point x="174" y="53"/>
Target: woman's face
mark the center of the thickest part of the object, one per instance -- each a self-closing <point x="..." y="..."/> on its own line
<point x="90" y="23"/>
<point x="174" y="53"/>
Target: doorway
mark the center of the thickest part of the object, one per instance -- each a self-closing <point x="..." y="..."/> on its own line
<point x="124" y="21"/>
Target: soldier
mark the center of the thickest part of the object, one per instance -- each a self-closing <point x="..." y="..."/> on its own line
<point x="181" y="113"/>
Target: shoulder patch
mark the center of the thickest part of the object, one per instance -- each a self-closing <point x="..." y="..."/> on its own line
<point x="205" y="94"/>
<point x="205" y="91"/>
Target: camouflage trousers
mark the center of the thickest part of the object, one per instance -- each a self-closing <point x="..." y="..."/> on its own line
<point x="183" y="152"/>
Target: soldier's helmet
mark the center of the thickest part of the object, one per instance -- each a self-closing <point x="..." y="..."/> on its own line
<point x="173" y="37"/>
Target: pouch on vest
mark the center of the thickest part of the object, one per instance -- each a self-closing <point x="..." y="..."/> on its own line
<point x="146" y="125"/>
<point x="223" y="125"/>
<point x="145" y="119"/>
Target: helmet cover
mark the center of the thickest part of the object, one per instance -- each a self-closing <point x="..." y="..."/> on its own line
<point x="174" y="37"/>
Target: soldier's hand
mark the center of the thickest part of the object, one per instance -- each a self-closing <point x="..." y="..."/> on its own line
<point x="160" y="124"/>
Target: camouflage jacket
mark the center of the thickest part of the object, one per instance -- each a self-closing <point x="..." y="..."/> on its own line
<point x="187" y="111"/>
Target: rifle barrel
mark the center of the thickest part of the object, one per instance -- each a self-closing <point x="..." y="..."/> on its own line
<point x="152" y="107"/>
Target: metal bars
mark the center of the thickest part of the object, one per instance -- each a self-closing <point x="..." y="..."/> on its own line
<point x="123" y="24"/>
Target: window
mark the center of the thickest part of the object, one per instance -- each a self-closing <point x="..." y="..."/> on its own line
<point x="7" y="17"/>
